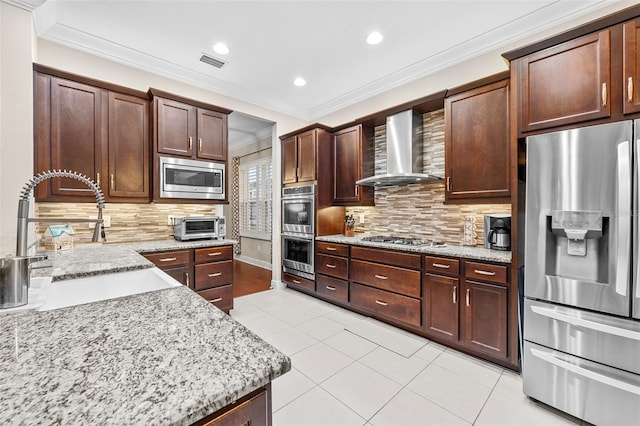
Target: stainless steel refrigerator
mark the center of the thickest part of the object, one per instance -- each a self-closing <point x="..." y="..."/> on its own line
<point x="582" y="299"/>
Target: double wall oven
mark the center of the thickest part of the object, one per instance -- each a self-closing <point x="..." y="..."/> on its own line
<point x="298" y="230"/>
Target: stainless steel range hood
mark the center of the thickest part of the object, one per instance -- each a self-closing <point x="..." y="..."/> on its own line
<point x="404" y="152"/>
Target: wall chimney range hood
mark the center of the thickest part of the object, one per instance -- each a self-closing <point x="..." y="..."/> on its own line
<point x="404" y="152"/>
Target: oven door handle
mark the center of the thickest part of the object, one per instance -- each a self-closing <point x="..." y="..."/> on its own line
<point x="298" y="237"/>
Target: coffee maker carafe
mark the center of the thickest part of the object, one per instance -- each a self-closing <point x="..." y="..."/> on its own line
<point x="497" y="232"/>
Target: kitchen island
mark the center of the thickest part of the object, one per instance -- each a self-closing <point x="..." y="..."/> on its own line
<point x="162" y="357"/>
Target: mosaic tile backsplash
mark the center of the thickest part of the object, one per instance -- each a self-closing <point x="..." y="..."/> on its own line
<point x="129" y="222"/>
<point x="418" y="210"/>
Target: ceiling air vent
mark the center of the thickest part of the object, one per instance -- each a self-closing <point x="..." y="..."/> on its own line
<point x="212" y="61"/>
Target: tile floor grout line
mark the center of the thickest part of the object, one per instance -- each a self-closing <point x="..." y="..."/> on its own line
<point x="484" y="404"/>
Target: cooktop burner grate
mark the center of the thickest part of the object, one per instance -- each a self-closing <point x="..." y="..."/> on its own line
<point x="403" y="241"/>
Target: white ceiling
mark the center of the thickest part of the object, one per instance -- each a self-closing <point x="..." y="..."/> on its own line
<point x="273" y="42"/>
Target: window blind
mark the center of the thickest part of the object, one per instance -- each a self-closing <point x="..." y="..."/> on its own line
<point x="255" y="199"/>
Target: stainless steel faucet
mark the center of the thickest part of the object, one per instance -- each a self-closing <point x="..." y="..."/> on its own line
<point x="15" y="271"/>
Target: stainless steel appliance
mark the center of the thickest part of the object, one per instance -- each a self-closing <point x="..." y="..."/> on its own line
<point x="182" y="178"/>
<point x="199" y="227"/>
<point x="501" y="240"/>
<point x="298" y="209"/>
<point x="582" y="298"/>
<point x="298" y="255"/>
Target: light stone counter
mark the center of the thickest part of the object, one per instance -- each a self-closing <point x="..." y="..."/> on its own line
<point x="165" y="358"/>
<point x="478" y="253"/>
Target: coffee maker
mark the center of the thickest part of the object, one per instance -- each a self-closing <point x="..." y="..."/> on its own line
<point x="497" y="232"/>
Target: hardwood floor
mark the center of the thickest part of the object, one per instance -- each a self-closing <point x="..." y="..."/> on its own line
<point x="249" y="279"/>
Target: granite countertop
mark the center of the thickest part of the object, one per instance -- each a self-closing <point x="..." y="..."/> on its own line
<point x="164" y="357"/>
<point x="478" y="253"/>
<point x="109" y="258"/>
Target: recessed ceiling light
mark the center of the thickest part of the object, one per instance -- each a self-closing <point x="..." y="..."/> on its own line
<point x="220" y="48"/>
<point x="374" y="38"/>
<point x="299" y="82"/>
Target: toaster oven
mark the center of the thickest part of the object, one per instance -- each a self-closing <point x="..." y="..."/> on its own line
<point x="199" y="228"/>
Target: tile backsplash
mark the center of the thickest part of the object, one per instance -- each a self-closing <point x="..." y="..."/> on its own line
<point x="129" y="222"/>
<point x="418" y="210"/>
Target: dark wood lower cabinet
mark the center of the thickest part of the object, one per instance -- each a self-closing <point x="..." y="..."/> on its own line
<point x="299" y="283"/>
<point x="181" y="274"/>
<point x="332" y="288"/>
<point x="395" y="307"/>
<point x="440" y="306"/>
<point x="251" y="410"/>
<point x="485" y="318"/>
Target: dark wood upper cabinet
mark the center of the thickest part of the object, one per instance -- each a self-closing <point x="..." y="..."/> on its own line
<point x="566" y="84"/>
<point x="299" y="154"/>
<point x="100" y="133"/>
<point x="128" y="146"/>
<point x="177" y="127"/>
<point x="76" y="135"/>
<point x="477" y="144"/>
<point x="212" y="135"/>
<point x="352" y="152"/>
<point x="631" y="65"/>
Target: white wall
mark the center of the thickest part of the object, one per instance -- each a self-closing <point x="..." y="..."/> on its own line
<point x="16" y="116"/>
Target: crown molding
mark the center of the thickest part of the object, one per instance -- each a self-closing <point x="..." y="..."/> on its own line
<point x="29" y="5"/>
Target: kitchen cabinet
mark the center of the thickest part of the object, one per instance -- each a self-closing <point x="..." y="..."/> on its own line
<point x="207" y="271"/>
<point x="352" y="160"/>
<point x="332" y="272"/>
<point x="254" y="408"/>
<point x="301" y="284"/>
<point x="631" y="66"/>
<point x="186" y="130"/>
<point x="477" y="144"/>
<point x="95" y="131"/>
<point x="300" y="155"/>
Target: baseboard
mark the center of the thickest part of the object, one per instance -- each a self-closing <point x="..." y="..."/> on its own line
<point x="252" y="261"/>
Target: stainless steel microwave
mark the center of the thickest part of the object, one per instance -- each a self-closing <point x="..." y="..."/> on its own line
<point x="183" y="178"/>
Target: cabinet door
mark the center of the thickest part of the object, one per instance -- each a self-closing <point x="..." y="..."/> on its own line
<point x="477" y="143"/>
<point x="485" y="318"/>
<point x="176" y="127"/>
<point x="441" y="314"/>
<point x="76" y="135"/>
<point x="347" y="166"/>
<point x="181" y="274"/>
<point x="631" y="82"/>
<point x="289" y="160"/>
<point x="551" y="95"/>
<point x="307" y="156"/>
<point x="128" y="147"/>
<point x="212" y="135"/>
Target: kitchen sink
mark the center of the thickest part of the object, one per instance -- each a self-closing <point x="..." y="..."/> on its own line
<point x="107" y="286"/>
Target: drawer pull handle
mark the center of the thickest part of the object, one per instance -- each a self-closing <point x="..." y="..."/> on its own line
<point x="215" y="274"/>
<point x="468" y="297"/>
<point x="630" y="89"/>
<point x="381" y="277"/>
<point x="441" y="265"/>
<point x="481" y="272"/>
<point x="379" y="302"/>
<point x="217" y="253"/>
<point x="332" y="248"/>
<point x="186" y="274"/>
<point x="219" y="299"/>
<point x="331" y="288"/>
<point x="455" y="294"/>
<point x="297" y="281"/>
<point x="168" y="259"/>
<point x="190" y="143"/>
<point x="604" y="94"/>
<point x="199" y="144"/>
<point x="328" y="265"/>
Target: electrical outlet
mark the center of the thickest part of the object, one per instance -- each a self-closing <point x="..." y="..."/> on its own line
<point x="106" y="221"/>
<point x="361" y="217"/>
<point x="170" y="219"/>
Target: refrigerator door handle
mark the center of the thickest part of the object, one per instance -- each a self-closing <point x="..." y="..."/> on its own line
<point x="624" y="218"/>
<point x="636" y="233"/>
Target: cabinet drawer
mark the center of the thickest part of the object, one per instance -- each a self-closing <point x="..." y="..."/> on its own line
<point x="214" y="254"/>
<point x="169" y="259"/>
<point x="406" y="260"/>
<point x="398" y="280"/>
<point x="331" y="265"/>
<point x="332" y="288"/>
<point x="299" y="282"/>
<point x="442" y="265"/>
<point x="332" y="248"/>
<point x="387" y="304"/>
<point x="213" y="274"/>
<point x="485" y="272"/>
<point x="222" y="297"/>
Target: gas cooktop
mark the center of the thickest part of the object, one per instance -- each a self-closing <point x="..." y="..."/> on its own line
<point x="402" y="241"/>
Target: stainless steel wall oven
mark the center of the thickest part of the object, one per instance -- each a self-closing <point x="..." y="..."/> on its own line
<point x="298" y="230"/>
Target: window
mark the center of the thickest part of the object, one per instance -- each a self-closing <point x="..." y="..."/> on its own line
<point x="255" y="199"/>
